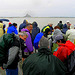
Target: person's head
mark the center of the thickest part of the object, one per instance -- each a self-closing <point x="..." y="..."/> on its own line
<point x="59" y="39"/>
<point x="60" y="21"/>
<point x="50" y="24"/>
<point x="10" y="24"/>
<point x="23" y="35"/>
<point x="15" y="24"/>
<point x="29" y="27"/>
<point x="34" y="24"/>
<point x="47" y="31"/>
<point x="44" y="42"/>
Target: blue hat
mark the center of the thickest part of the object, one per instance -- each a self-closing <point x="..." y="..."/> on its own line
<point x="58" y="37"/>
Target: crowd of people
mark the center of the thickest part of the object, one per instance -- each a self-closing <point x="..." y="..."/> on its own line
<point x="54" y="48"/>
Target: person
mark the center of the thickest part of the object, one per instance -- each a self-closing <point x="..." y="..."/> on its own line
<point x="43" y="62"/>
<point x="9" y="24"/>
<point x="23" y="25"/>
<point x="60" y="24"/>
<point x="13" y="28"/>
<point x="48" y="26"/>
<point x="68" y="24"/>
<point x="64" y="29"/>
<point x="1" y="28"/>
<point x="35" y="30"/>
<point x="29" y="49"/>
<point x="12" y="53"/>
<point x="65" y="48"/>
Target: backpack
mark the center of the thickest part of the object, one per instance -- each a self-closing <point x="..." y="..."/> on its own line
<point x="71" y="64"/>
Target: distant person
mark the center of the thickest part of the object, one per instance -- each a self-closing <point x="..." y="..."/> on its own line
<point x="60" y="24"/>
<point x="29" y="49"/>
<point x="35" y="30"/>
<point x="12" y="29"/>
<point x="64" y="29"/>
<point x="1" y="28"/>
<point x="23" y="25"/>
<point x="48" y="26"/>
<point x="9" y="24"/>
<point x="68" y="24"/>
<point x="43" y="62"/>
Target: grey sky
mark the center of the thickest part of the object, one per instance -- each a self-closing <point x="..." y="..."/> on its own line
<point x="37" y="8"/>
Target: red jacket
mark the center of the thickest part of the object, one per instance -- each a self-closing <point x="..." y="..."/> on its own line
<point x="64" y="50"/>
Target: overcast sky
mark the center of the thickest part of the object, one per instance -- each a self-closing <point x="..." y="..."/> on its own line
<point x="37" y="8"/>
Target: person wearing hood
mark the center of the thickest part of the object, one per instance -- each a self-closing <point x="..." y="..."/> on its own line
<point x="60" y="24"/>
<point x="35" y="30"/>
<point x="64" y="29"/>
<point x="43" y="62"/>
<point x="29" y="49"/>
<point x="23" y="25"/>
<point x="65" y="48"/>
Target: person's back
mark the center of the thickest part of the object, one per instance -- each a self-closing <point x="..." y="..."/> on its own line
<point x="60" y="24"/>
<point x="44" y="62"/>
<point x="35" y="31"/>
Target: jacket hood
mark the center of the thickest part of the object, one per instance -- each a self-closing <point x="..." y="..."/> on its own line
<point x="25" y="21"/>
<point x="35" y="24"/>
<point x="69" y="45"/>
<point x="44" y="50"/>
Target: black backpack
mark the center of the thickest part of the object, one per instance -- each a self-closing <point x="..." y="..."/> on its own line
<point x="71" y="64"/>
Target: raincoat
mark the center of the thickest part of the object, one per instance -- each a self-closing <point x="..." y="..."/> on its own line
<point x="28" y="41"/>
<point x="64" y="50"/>
<point x="12" y="29"/>
<point x="35" y="31"/>
<point x="43" y="63"/>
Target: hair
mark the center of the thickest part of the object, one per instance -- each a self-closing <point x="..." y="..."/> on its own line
<point x="14" y="24"/>
<point x="62" y="40"/>
<point x="60" y="21"/>
<point x="23" y="33"/>
<point x="44" y="42"/>
<point x="56" y="27"/>
<point x="0" y="21"/>
<point x="28" y="24"/>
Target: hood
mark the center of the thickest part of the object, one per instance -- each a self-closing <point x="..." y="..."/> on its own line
<point x="56" y="32"/>
<point x="25" y="21"/>
<point x="65" y="26"/>
<point x="24" y="29"/>
<point x="44" y="50"/>
<point x="35" y="24"/>
<point x="69" y="45"/>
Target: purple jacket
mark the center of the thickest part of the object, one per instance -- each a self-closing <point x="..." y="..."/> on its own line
<point x="28" y="41"/>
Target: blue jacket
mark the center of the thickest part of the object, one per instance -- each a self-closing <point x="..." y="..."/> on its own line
<point x="64" y="29"/>
<point x="23" y="25"/>
<point x="12" y="29"/>
<point x="35" y="31"/>
<point x="37" y="39"/>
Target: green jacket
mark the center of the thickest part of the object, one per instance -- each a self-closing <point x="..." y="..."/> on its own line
<point x="43" y="63"/>
<point x="5" y="43"/>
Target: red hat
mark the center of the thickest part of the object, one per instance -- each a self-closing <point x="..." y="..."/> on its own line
<point x="10" y="23"/>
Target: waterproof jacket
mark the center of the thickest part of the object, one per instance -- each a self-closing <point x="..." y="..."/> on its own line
<point x="64" y="50"/>
<point x="35" y="31"/>
<point x="64" y="28"/>
<point x="28" y="41"/>
<point x="43" y="63"/>
<point x="23" y="25"/>
<point x="60" y="25"/>
<point x="12" y="29"/>
<point x="1" y="29"/>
